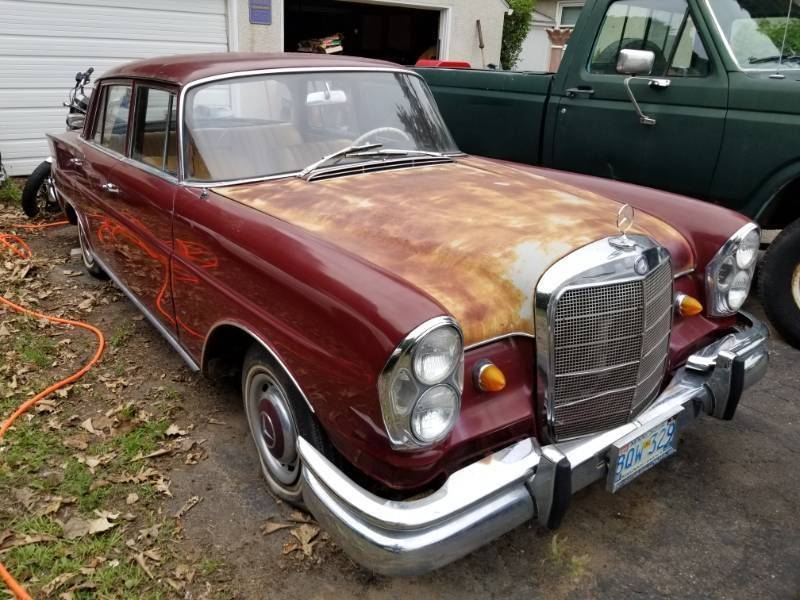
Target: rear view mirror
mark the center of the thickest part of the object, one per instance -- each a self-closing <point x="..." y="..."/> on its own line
<point x="635" y="62"/>
<point x="325" y="97"/>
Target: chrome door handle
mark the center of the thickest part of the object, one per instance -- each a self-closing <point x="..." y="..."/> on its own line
<point x="76" y="161"/>
<point x="110" y="188"/>
<point x="659" y="84"/>
<point x="586" y="91"/>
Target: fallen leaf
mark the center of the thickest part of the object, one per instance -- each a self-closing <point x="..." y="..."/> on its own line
<point x="305" y="534"/>
<point x="153" y="555"/>
<point x="271" y="526"/>
<point x="139" y="558"/>
<point x="24" y="496"/>
<point x="213" y="421"/>
<point x="154" y="454"/>
<point x="132" y="499"/>
<point x="79" y="441"/>
<point x="57" y="583"/>
<point x="173" y="430"/>
<point x="187" y="506"/>
<point x="15" y="541"/>
<point x="87" y="425"/>
<point x="76" y="527"/>
<point x="300" y="517"/>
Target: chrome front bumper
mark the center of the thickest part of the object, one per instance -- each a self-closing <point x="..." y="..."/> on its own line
<point x="524" y="481"/>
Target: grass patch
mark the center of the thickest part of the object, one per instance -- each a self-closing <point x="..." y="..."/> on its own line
<point x="144" y="439"/>
<point x="29" y="449"/>
<point x="10" y="192"/>
<point x="573" y="565"/>
<point x="121" y="334"/>
<point x="35" y="348"/>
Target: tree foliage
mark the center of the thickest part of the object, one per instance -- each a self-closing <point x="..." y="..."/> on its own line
<point x="775" y="31"/>
<point x="515" y="30"/>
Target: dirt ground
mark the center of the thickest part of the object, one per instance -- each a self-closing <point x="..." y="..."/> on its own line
<point x="719" y="520"/>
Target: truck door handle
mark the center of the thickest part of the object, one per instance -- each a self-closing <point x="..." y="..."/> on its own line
<point x="659" y="84"/>
<point x="582" y="90"/>
<point x="77" y="162"/>
<point x="110" y="188"/>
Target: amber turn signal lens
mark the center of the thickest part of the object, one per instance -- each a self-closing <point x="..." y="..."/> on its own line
<point x="688" y="306"/>
<point x="489" y="377"/>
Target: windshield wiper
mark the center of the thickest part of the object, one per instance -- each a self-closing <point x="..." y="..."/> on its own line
<point x="343" y="153"/>
<point x="777" y="58"/>
<point x="398" y="152"/>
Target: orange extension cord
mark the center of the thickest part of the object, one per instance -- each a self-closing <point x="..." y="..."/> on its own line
<point x="18" y="246"/>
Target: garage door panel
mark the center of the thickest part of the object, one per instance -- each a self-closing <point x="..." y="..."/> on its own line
<point x="109" y="23"/>
<point x="13" y="45"/>
<point x="43" y="45"/>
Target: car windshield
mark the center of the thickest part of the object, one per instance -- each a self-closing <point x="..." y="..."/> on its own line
<point x="279" y="124"/>
<point x="755" y="30"/>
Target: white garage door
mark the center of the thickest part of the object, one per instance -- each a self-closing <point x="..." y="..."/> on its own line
<point x="44" y="43"/>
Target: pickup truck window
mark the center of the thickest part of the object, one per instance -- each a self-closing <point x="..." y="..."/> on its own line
<point x="754" y="31"/>
<point x="112" y="130"/>
<point x="154" y="134"/>
<point x="266" y="125"/>
<point x="665" y="28"/>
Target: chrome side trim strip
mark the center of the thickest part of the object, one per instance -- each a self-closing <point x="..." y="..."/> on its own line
<point x="171" y="339"/>
<point x="266" y="347"/>
<point x="498" y="338"/>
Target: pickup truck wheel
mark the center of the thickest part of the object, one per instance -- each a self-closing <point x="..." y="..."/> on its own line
<point x="277" y="415"/>
<point x="89" y="263"/>
<point x="779" y="283"/>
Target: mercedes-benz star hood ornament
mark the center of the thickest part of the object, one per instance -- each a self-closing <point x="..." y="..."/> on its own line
<point x="625" y="218"/>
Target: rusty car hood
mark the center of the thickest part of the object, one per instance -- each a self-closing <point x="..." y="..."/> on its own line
<point x="475" y="235"/>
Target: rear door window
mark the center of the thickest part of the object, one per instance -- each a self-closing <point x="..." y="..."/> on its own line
<point x="154" y="135"/>
<point x="112" y="127"/>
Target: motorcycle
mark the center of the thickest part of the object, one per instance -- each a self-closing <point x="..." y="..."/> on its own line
<point x="39" y="193"/>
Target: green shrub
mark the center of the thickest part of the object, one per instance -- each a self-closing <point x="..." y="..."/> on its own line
<point x="515" y="29"/>
<point x="10" y="192"/>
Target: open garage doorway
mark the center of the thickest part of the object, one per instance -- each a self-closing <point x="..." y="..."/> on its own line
<point x="397" y="33"/>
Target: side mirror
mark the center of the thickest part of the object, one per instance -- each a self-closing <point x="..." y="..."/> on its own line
<point x="635" y="62"/>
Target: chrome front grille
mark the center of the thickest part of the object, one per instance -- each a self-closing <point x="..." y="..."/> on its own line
<point x="607" y="345"/>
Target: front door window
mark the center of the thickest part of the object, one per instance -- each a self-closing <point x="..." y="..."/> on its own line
<point x="665" y="28"/>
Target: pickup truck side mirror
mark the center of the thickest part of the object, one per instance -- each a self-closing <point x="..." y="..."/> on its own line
<point x="635" y="63"/>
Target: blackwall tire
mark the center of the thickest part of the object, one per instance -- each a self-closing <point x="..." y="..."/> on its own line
<point x="37" y="195"/>
<point x="779" y="283"/>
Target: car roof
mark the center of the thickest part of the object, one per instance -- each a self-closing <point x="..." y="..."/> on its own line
<point x="186" y="68"/>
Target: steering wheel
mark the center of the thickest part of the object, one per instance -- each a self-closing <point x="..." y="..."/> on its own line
<point x="364" y="137"/>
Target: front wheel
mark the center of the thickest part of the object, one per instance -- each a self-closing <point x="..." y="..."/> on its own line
<point x="779" y="283"/>
<point x="277" y="415"/>
<point x="87" y="256"/>
<point x="39" y="193"/>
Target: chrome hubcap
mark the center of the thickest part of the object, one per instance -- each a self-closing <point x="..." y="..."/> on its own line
<point x="86" y="254"/>
<point x="272" y="425"/>
<point x="796" y="285"/>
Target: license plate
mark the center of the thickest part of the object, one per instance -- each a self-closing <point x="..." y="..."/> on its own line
<point x="629" y="459"/>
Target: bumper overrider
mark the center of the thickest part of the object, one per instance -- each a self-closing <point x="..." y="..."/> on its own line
<point x="521" y="482"/>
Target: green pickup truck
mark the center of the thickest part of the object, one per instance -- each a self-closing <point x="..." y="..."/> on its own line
<point x="696" y="97"/>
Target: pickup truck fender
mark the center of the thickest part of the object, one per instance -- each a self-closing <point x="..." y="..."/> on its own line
<point x="776" y="203"/>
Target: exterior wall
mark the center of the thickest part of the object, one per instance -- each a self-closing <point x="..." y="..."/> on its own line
<point x="458" y="27"/>
<point x="535" y="55"/>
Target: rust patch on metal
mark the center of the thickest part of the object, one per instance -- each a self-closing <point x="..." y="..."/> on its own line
<point x="475" y="235"/>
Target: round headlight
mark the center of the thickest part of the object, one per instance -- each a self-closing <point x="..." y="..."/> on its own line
<point x="726" y="272"/>
<point x="748" y="250"/>
<point x="740" y="287"/>
<point x="435" y="414"/>
<point x="436" y="355"/>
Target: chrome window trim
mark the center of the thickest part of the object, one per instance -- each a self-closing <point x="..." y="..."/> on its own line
<point x="602" y="265"/>
<point x="133" y="163"/>
<point x="270" y="350"/>
<point x="729" y="48"/>
<point x="237" y="74"/>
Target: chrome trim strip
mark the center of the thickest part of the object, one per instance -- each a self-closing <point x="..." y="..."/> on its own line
<point x="236" y="74"/>
<point x="498" y="338"/>
<point x="266" y="347"/>
<point x="171" y="339"/>
<point x="683" y="273"/>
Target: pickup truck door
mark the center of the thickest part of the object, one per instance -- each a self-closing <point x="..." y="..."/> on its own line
<point x="597" y="130"/>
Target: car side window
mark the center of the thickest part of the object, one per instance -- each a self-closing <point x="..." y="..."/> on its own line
<point x="114" y="118"/>
<point x="665" y="28"/>
<point x="154" y="133"/>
